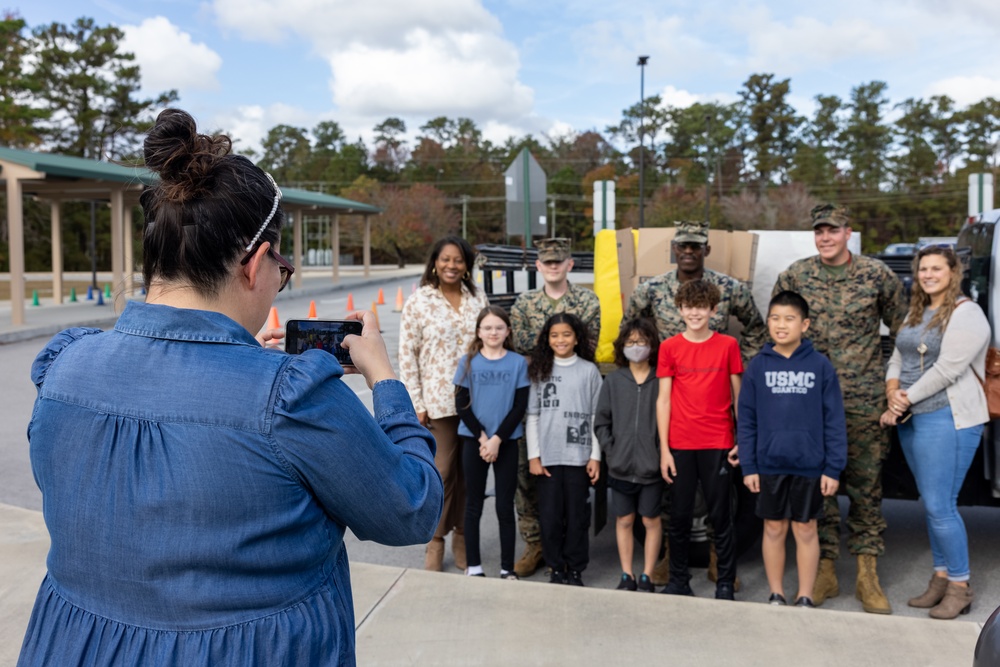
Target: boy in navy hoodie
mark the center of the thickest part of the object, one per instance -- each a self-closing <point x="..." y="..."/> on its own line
<point x="792" y="438"/>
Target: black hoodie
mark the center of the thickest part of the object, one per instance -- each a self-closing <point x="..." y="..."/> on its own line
<point x="625" y="425"/>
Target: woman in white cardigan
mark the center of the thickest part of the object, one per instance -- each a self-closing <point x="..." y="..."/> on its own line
<point x="937" y="400"/>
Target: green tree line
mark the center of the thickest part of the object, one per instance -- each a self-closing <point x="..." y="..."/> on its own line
<point x="755" y="163"/>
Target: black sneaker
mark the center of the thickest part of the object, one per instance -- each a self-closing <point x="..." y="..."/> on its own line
<point x="777" y="599"/>
<point x="557" y="576"/>
<point x="645" y="584"/>
<point x="677" y="587"/>
<point x="805" y="602"/>
<point x="574" y="578"/>
<point x="509" y="576"/>
<point x="724" y="591"/>
<point x="627" y="583"/>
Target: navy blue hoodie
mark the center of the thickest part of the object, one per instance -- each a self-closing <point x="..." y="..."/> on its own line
<point x="791" y="415"/>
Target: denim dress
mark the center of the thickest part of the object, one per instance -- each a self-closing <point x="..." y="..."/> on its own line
<point x="196" y="488"/>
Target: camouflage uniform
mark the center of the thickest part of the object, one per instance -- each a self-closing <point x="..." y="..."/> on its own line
<point x="532" y="309"/>
<point x="527" y="317"/>
<point x="845" y="311"/>
<point x="655" y="299"/>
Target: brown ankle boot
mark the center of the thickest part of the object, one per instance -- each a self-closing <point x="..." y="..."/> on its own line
<point x="868" y="589"/>
<point x="933" y="595"/>
<point x="957" y="600"/>
<point x="826" y="585"/>
<point x="434" y="557"/>
<point x="530" y="560"/>
<point x="458" y="550"/>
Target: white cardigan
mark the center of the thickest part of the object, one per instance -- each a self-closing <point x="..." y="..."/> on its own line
<point x="959" y="366"/>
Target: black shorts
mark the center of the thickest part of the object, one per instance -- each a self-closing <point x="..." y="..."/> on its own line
<point x="789" y="497"/>
<point x="629" y="497"/>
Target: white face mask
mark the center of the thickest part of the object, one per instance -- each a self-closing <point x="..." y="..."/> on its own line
<point x="637" y="353"/>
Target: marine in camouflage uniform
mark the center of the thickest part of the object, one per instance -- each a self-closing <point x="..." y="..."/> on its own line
<point x="655" y="299"/>
<point x="846" y="307"/>
<point x="527" y="316"/>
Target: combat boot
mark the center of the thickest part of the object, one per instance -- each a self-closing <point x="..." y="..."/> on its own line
<point x="713" y="569"/>
<point x="661" y="572"/>
<point x="458" y="550"/>
<point x="530" y="560"/>
<point x="868" y="590"/>
<point x="434" y="557"/>
<point x="826" y="585"/>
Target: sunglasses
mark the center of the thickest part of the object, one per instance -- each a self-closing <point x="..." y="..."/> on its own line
<point x="284" y="267"/>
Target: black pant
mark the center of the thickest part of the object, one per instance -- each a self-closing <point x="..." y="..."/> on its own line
<point x="505" y="477"/>
<point x="564" y="517"/>
<point x="709" y="466"/>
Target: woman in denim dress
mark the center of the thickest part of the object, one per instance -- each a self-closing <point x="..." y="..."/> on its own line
<point x="196" y="485"/>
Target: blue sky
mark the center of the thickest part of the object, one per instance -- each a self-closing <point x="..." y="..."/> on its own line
<point x="547" y="67"/>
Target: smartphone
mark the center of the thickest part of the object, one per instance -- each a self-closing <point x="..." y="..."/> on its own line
<point x="302" y="335"/>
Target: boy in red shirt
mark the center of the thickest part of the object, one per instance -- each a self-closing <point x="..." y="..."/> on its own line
<point x="699" y="373"/>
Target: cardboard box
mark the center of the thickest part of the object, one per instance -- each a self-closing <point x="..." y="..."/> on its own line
<point x="649" y="254"/>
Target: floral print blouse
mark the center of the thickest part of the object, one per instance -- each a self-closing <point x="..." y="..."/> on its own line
<point x="432" y="337"/>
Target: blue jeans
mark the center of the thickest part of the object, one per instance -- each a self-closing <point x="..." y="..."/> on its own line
<point x="939" y="455"/>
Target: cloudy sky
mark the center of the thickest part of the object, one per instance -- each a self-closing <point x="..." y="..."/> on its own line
<point x="539" y="66"/>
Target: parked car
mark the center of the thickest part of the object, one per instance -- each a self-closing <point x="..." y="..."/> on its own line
<point x="900" y="249"/>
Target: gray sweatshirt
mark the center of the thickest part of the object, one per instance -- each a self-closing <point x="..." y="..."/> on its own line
<point x="561" y="409"/>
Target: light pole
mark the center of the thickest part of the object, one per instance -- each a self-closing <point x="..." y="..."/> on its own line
<point x="708" y="159"/>
<point x="642" y="149"/>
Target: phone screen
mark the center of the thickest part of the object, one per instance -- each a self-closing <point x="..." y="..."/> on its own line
<point x="302" y="335"/>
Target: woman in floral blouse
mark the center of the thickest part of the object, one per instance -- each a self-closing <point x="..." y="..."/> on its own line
<point x="437" y="326"/>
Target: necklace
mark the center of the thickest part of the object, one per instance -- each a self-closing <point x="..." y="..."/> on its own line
<point x="922" y="349"/>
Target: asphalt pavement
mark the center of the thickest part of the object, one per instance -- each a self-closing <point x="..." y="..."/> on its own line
<point x="406" y="616"/>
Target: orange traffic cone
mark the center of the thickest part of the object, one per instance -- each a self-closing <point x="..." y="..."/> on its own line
<point x="399" y="301"/>
<point x="312" y="310"/>
<point x="381" y="297"/>
<point x="350" y="302"/>
<point x="375" y="312"/>
<point x="273" y="322"/>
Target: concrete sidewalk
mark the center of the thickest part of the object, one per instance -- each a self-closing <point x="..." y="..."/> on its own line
<point x="406" y="616"/>
<point x="50" y="318"/>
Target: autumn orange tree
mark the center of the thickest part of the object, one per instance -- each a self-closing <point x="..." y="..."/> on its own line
<point x="412" y="218"/>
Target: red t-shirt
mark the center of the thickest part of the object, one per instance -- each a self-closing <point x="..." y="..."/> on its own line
<point x="701" y="396"/>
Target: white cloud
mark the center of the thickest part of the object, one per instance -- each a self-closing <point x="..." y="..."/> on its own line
<point x="805" y="42"/>
<point x="965" y="90"/>
<point x="169" y="59"/>
<point x="682" y="99"/>
<point x="398" y="57"/>
<point x="450" y="73"/>
<point x="671" y="42"/>
<point x="249" y="124"/>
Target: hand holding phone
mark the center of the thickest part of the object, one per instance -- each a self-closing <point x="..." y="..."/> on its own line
<point x="371" y="359"/>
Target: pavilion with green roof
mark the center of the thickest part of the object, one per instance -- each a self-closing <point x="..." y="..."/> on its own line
<point x="58" y="178"/>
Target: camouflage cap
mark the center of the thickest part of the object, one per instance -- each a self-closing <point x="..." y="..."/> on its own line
<point x="691" y="232"/>
<point x="830" y="214"/>
<point x="553" y="250"/>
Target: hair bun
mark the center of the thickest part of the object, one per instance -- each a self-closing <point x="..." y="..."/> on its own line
<point x="183" y="158"/>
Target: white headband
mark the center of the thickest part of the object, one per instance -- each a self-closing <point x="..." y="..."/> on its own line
<point x="270" y="216"/>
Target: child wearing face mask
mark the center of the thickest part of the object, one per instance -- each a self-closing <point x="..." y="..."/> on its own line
<point x="625" y="424"/>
